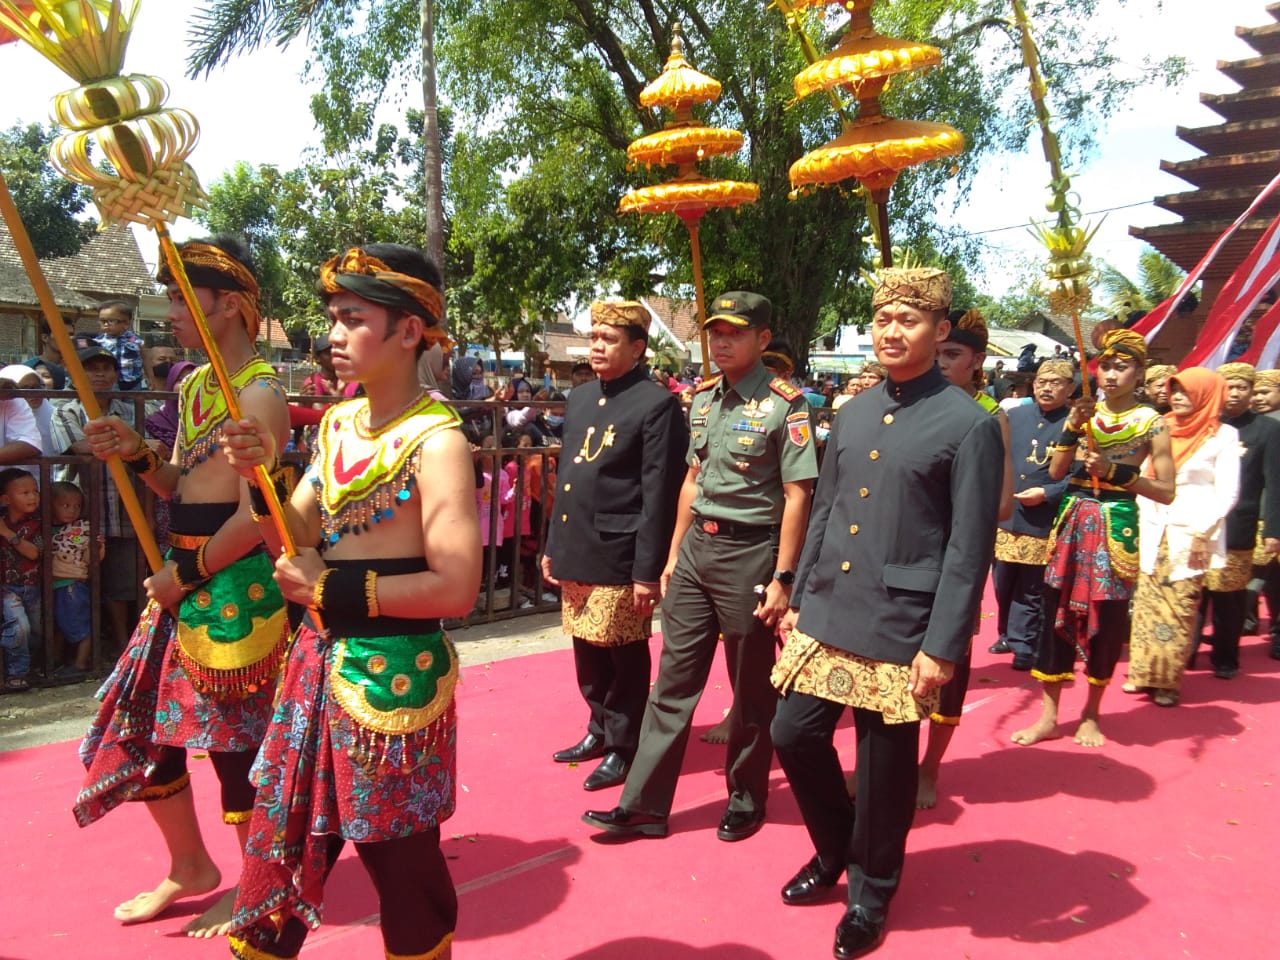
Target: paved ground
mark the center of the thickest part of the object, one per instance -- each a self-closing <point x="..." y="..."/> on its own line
<point x="54" y="714"/>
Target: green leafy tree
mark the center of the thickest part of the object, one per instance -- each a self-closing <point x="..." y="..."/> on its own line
<point x="243" y="201"/>
<point x="1158" y="280"/>
<point x="51" y="207"/>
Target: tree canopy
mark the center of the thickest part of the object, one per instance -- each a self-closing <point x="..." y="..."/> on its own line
<point x="51" y="206"/>
<point x="546" y="98"/>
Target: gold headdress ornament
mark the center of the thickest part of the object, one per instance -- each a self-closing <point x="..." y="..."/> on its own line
<point x="620" y="313"/>
<point x="1126" y="343"/>
<point x="1159" y="371"/>
<point x="1058" y="368"/>
<point x="371" y="279"/>
<point x="925" y="288"/>
<point x="1267" y="378"/>
<point x="212" y="267"/>
<point x="1238" y="371"/>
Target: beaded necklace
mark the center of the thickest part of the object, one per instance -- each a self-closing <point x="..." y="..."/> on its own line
<point x="361" y="473"/>
<point x="204" y="409"/>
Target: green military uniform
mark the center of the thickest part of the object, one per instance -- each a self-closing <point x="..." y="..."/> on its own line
<point x="746" y="440"/>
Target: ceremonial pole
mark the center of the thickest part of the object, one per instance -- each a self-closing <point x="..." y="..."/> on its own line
<point x="71" y="360"/>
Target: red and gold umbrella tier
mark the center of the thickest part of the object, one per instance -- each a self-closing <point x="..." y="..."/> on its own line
<point x="862" y="62"/>
<point x="684" y="145"/>
<point x="688" y="196"/>
<point x="875" y="151"/>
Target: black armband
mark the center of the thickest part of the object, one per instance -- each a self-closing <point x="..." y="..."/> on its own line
<point x="347" y="591"/>
<point x="258" y="508"/>
<point x="1068" y="439"/>
<point x="144" y="460"/>
<point x="187" y="564"/>
<point x="1123" y="475"/>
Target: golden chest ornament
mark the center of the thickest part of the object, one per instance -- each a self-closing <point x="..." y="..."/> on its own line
<point x="362" y="474"/>
<point x="204" y="409"/>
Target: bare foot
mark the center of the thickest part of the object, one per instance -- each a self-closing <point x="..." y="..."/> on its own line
<point x="719" y="733"/>
<point x="216" y="921"/>
<point x="926" y="789"/>
<point x="1089" y="734"/>
<point x="152" y="903"/>
<point x="1042" y="729"/>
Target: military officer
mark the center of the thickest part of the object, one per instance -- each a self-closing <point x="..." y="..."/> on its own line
<point x="1022" y="542"/>
<point x="895" y="558"/>
<point x="624" y="443"/>
<point x="739" y="525"/>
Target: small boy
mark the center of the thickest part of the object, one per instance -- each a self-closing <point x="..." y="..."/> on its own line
<point x="116" y="320"/>
<point x="20" y="545"/>
<point x="71" y="597"/>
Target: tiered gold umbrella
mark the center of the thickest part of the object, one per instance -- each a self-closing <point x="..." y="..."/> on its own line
<point x="873" y="148"/>
<point x="683" y="142"/>
<point x="152" y="184"/>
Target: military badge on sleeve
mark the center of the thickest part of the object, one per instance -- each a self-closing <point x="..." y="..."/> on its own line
<point x="798" y="428"/>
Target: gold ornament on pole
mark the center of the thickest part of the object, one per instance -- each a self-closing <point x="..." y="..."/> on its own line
<point x="683" y="142"/>
<point x="147" y="145"/>
<point x="873" y="148"/>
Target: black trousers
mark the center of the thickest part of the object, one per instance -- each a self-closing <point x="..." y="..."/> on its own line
<point x="1019" y="591"/>
<point x="1055" y="661"/>
<point x="417" y="902"/>
<point x="709" y="596"/>
<point x="615" y="683"/>
<point x="237" y="792"/>
<point x="1226" y="610"/>
<point x="868" y="835"/>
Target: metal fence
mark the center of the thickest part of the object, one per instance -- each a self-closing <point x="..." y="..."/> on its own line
<point x="512" y="585"/>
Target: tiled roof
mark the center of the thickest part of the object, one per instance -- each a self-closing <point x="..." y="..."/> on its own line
<point x="679" y="316"/>
<point x="272" y="333"/>
<point x="15" y="290"/>
<point x="108" y="265"/>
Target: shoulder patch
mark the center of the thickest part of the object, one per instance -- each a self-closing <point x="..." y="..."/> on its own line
<point x="782" y="388"/>
<point x="707" y="384"/>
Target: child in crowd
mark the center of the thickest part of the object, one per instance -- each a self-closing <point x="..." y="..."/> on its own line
<point x="71" y="597"/>
<point x="20" y="545"/>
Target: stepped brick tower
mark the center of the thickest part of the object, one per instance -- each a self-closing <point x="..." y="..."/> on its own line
<point x="1241" y="155"/>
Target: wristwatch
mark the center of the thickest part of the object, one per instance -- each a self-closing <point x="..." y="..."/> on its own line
<point x="785" y="577"/>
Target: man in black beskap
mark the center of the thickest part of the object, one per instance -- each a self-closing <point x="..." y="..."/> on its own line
<point x="1226" y="590"/>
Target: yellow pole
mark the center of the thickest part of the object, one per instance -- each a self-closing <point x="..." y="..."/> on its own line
<point x="699" y="294"/>
<point x="61" y="336"/>
<point x="1084" y="388"/>
<point x="262" y="474"/>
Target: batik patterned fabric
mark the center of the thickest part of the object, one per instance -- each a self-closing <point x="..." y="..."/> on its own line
<point x="1164" y="619"/>
<point x="317" y="775"/>
<point x="1022" y="548"/>
<point x="604" y="616"/>
<point x="1093" y="556"/>
<point x="808" y="666"/>
<point x="118" y="751"/>
<point x="1234" y="576"/>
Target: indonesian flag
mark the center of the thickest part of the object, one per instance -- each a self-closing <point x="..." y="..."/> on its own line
<point x="1151" y="325"/>
<point x="1245" y="289"/>
<point x="1264" y="348"/>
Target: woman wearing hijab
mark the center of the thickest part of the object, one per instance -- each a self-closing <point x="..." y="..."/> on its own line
<point x="1179" y="541"/>
<point x="25" y="378"/>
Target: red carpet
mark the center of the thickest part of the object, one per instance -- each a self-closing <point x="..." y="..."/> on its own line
<point x="1161" y="844"/>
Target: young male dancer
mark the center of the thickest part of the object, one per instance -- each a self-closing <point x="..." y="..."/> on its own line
<point x="362" y="743"/>
<point x="201" y="666"/>
<point x="1093" y="549"/>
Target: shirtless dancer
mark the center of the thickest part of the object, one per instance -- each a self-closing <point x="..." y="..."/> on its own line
<point x="201" y="666"/>
<point x="1093" y="549"/>
<point x="362" y="745"/>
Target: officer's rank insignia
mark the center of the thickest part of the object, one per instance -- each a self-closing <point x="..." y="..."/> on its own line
<point x="798" y="428"/>
<point x="766" y="405"/>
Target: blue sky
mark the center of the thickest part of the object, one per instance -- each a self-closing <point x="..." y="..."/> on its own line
<point x="256" y="110"/>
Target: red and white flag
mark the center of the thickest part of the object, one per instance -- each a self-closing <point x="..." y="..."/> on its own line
<point x="1151" y="324"/>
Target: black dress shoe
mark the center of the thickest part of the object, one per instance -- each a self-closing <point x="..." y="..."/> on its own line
<point x="611" y="772"/>
<point x="588" y="748"/>
<point x="1023" y="661"/>
<point x="740" y="824"/>
<point x="624" y="823"/>
<point x="1225" y="673"/>
<point x="857" y="934"/>
<point x="1000" y="646"/>
<point x="810" y="883"/>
